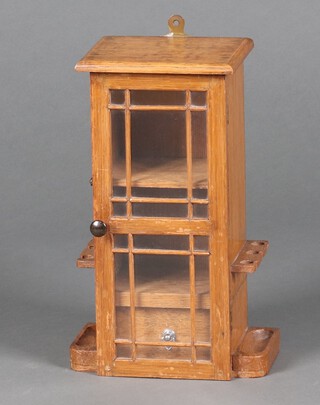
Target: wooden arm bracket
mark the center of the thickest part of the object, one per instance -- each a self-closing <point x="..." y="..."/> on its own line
<point x="250" y="256"/>
<point x="86" y="258"/>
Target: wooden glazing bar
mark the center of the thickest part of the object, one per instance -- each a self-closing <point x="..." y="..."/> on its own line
<point x="199" y="201"/>
<point x="202" y="344"/>
<point x="151" y="200"/>
<point x="86" y="259"/>
<point x="157" y="107"/>
<point x="189" y="153"/>
<point x="159" y="226"/>
<point x="160" y="252"/>
<point x="132" y="296"/>
<point x="173" y="344"/>
<point x="192" y="299"/>
<point x="167" y="107"/>
<point x="120" y="250"/>
<point x="160" y="200"/>
<point x="128" y="149"/>
<point x="123" y="341"/>
<point x="163" y="344"/>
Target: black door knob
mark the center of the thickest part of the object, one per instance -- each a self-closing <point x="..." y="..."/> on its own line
<point x="98" y="228"/>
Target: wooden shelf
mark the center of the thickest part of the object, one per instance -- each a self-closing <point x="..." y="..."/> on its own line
<point x="156" y="289"/>
<point x="162" y="173"/>
<point x="250" y="256"/>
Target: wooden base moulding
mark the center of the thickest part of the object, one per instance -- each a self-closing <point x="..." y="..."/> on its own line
<point x="253" y="358"/>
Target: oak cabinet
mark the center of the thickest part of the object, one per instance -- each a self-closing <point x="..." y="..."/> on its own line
<point x="170" y="252"/>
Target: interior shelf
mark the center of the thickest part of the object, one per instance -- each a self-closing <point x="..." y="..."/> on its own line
<point x="162" y="173"/>
<point x="154" y="289"/>
<point x="155" y="286"/>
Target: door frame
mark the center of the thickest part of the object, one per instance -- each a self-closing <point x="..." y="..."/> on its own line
<point x="220" y="366"/>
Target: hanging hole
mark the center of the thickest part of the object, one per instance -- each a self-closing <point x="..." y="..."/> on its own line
<point x="258" y="243"/>
<point x="176" y="25"/>
<point x="247" y="262"/>
<point x="253" y="252"/>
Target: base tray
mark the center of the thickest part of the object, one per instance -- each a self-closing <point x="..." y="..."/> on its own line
<point x="254" y="357"/>
<point x="256" y="353"/>
<point x="83" y="350"/>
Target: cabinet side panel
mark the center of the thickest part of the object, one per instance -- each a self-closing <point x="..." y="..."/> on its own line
<point x="236" y="197"/>
<point x="218" y="213"/>
<point x="101" y="174"/>
<point x="238" y="316"/>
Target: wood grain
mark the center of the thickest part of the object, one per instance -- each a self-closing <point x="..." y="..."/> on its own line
<point x="104" y="275"/>
<point x="189" y="55"/>
<point x="236" y="200"/>
<point x="83" y="350"/>
<point x="137" y="300"/>
<point x="254" y="357"/>
<point x="218" y="213"/>
<point x="256" y="353"/>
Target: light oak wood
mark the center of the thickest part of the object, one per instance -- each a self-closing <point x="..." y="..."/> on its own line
<point x="104" y="277"/>
<point x="184" y="159"/>
<point x="256" y="353"/>
<point x="189" y="55"/>
<point x="236" y="201"/>
<point x="250" y="256"/>
<point x="254" y="357"/>
<point x="238" y="316"/>
<point x="86" y="258"/>
<point x="83" y="350"/>
<point x="220" y="271"/>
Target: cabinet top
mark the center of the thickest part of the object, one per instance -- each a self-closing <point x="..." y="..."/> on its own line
<point x="168" y="54"/>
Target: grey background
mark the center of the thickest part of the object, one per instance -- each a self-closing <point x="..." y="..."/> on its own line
<point x="45" y="207"/>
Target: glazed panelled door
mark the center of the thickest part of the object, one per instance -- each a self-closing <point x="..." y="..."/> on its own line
<point x="153" y="187"/>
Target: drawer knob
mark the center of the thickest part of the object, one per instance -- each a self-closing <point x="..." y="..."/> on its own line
<point x="98" y="228"/>
<point x="168" y="335"/>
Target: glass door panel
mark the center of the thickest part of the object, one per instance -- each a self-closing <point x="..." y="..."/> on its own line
<point x="160" y="170"/>
<point x="159" y="149"/>
<point x="159" y="153"/>
<point x="162" y="296"/>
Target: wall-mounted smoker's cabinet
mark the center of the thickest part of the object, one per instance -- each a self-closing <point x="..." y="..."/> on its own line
<point x="170" y="251"/>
